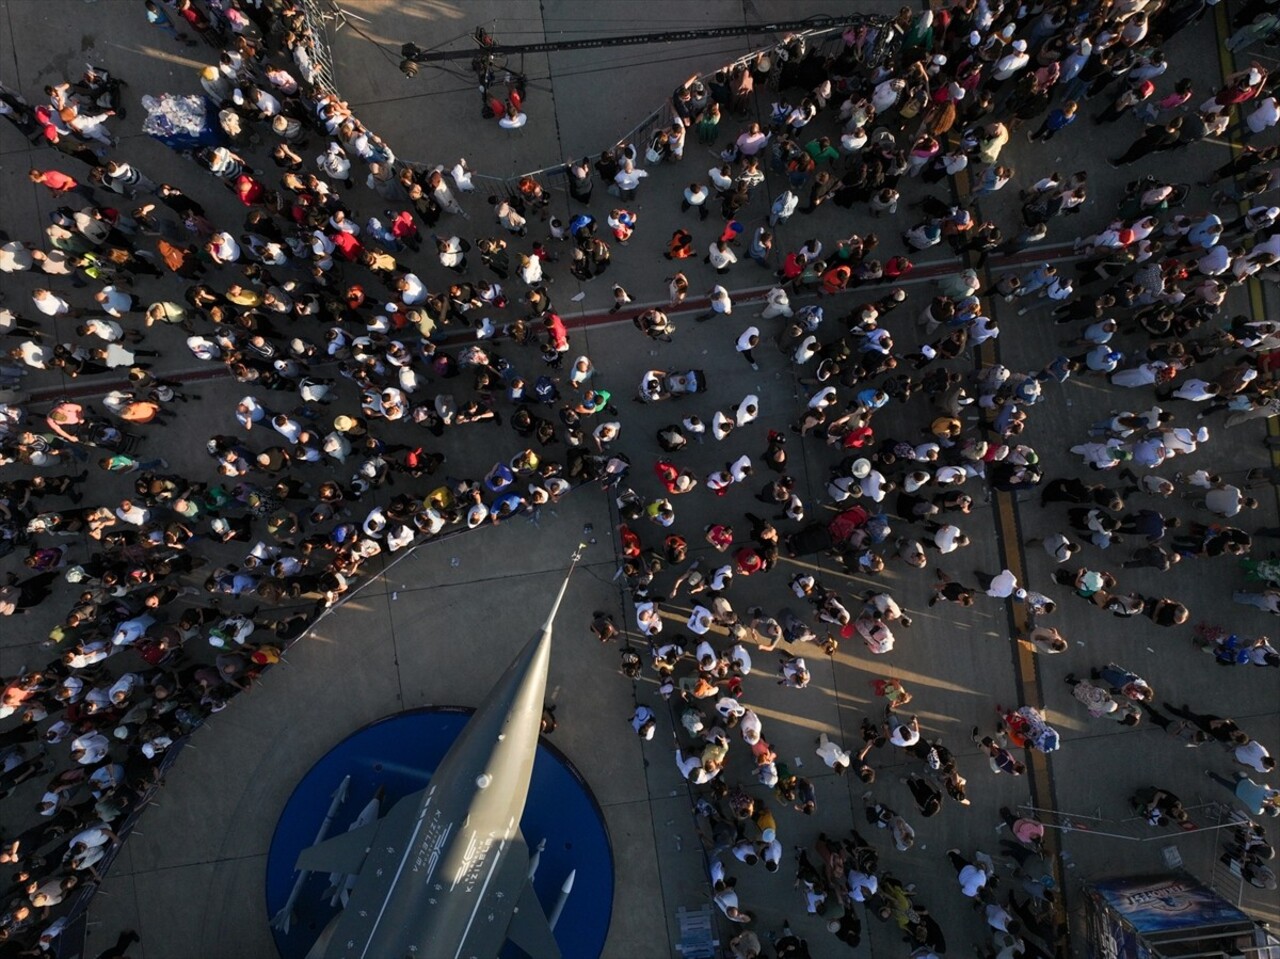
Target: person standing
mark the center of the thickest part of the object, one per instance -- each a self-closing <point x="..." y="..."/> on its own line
<point x="696" y="195"/>
<point x="747" y="342"/>
<point x="761" y="246"/>
<point x="628" y="179"/>
<point x="580" y="179"/>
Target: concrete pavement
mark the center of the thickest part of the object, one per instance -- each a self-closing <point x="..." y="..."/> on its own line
<point x="191" y="879"/>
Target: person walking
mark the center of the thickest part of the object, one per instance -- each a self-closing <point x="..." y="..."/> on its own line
<point x="1154" y="139"/>
<point x="1258" y="799"/>
<point x="1057" y="120"/>
<point x="720" y="256"/>
<point x="748" y="341"/>
<point x="720" y="305"/>
<point x="160" y="20"/>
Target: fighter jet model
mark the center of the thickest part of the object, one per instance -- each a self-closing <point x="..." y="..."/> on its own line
<point x="445" y="874"/>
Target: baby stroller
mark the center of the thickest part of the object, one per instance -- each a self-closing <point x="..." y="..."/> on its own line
<point x="1149" y="195"/>
<point x="67" y="419"/>
<point x="102" y="89"/>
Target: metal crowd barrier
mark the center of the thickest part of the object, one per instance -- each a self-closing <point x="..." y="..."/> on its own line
<point x="829" y="41"/>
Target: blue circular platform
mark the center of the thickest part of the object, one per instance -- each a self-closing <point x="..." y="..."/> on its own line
<point x="399" y="753"/>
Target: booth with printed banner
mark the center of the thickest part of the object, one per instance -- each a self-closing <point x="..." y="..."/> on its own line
<point x="1169" y="917"/>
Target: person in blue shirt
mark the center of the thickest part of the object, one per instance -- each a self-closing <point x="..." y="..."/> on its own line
<point x="158" y="18"/>
<point x="1058" y="119"/>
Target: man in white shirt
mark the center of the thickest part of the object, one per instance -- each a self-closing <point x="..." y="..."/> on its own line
<point x="290" y="429"/>
<point x="720" y="256"/>
<point x="1264" y="117"/>
<point x="748" y="340"/>
<point x="971" y="878"/>
<point x="785" y="205"/>
<point x="1001" y="586"/>
<point x="130" y="512"/>
<point x="721" y="304"/>
<point x="1254" y="755"/>
<point x="108" y="330"/>
<point x="948" y="538"/>
<point x="15" y="257"/>
<point x="87" y="654"/>
<point x="50" y="304"/>
<point x="1058" y="546"/>
<point x="752" y="141"/>
<point x="1227" y="500"/>
<point x="696" y="195"/>
<point x="1217" y="261"/>
<point x="628" y="179"/>
<point x="90" y="749"/>
<point x="1012" y="62"/>
<point x="903" y="733"/>
<point x="115" y="302"/>
<point x="33" y="354"/>
<point x="250" y="411"/>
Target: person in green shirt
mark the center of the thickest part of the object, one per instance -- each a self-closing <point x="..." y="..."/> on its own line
<point x="821" y="149"/>
<point x="120" y="463"/>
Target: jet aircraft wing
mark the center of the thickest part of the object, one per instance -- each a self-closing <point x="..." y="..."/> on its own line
<point x="342" y="854"/>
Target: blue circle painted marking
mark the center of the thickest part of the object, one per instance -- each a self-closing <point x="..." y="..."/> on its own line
<point x="399" y="753"/>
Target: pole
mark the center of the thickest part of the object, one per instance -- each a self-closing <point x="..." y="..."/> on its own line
<point x="414" y="53"/>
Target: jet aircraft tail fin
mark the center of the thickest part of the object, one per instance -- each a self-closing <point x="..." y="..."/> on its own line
<point x="529" y="929"/>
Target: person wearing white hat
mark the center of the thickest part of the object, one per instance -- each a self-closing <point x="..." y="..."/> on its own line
<point x="1010" y="64"/>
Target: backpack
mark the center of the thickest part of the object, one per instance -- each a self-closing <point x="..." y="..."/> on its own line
<point x="545" y="390"/>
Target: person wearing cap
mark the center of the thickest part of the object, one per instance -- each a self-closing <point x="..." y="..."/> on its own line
<point x="1009" y="64"/>
<point x="217" y="87"/>
<point x="689" y="101"/>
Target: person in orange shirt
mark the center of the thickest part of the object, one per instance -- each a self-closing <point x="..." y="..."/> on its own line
<point x="681" y="245"/>
<point x="835" y="279"/>
<point x="58" y="183"/>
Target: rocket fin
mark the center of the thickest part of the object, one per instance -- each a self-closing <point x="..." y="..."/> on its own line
<point x="342" y="854"/>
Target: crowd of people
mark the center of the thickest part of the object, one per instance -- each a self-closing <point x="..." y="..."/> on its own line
<point x="350" y="343"/>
